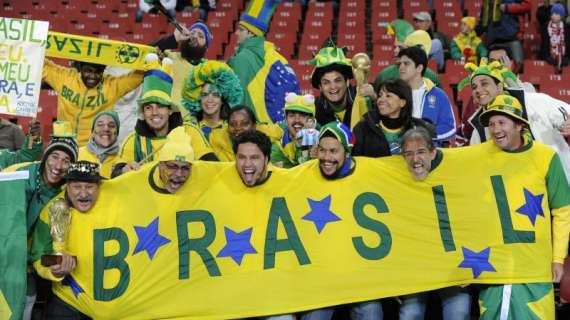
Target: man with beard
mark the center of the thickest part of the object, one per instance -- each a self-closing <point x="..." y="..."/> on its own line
<point x="81" y="193"/>
<point x="160" y="117"/>
<point x="192" y="71"/>
<point x="335" y="163"/>
<point x="286" y="153"/>
<point x="85" y="91"/>
<point x="422" y="157"/>
<point x="265" y="75"/>
<point x="548" y="192"/>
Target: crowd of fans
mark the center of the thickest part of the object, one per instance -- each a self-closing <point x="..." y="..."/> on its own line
<point x="219" y="104"/>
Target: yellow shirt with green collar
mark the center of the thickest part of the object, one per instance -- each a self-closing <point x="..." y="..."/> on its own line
<point x="222" y="143"/>
<point x="137" y="147"/>
<point x="105" y="167"/>
<point x="208" y="128"/>
<point x="78" y="104"/>
<point x="554" y="186"/>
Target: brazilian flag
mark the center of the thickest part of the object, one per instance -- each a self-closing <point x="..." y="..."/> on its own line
<point x="13" y="246"/>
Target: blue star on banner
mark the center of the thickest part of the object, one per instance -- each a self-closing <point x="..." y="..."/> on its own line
<point x="149" y="239"/>
<point x="320" y="213"/>
<point x="237" y="244"/>
<point x="477" y="261"/>
<point x="532" y="206"/>
<point x="70" y="282"/>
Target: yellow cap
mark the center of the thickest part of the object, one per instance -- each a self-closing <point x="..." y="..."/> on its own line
<point x="421" y="38"/>
<point x="178" y="147"/>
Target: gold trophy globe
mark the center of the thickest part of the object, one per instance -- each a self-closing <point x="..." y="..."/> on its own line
<point x="59" y="216"/>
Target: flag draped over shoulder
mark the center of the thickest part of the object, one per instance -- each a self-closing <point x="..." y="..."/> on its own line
<point x="219" y="250"/>
<point x="13" y="247"/>
<point x="266" y="77"/>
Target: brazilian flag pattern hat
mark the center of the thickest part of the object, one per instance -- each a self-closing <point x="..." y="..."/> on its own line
<point x="157" y="84"/>
<point x="506" y="105"/>
<point x="257" y="16"/>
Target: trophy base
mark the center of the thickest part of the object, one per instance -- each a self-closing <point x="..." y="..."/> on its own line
<point x="53" y="259"/>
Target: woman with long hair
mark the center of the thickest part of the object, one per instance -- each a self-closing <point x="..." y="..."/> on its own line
<point x="378" y="133"/>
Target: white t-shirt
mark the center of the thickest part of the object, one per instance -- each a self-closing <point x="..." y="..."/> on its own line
<point x="418" y="96"/>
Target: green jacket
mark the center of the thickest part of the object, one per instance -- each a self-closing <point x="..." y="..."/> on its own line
<point x="8" y="158"/>
<point x="285" y="150"/>
<point x="38" y="193"/>
<point x="392" y="72"/>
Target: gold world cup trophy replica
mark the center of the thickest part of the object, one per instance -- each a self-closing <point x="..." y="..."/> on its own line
<point x="59" y="221"/>
<point x="360" y="69"/>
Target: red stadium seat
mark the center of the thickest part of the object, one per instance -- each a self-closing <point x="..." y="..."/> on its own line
<point x="454" y="71"/>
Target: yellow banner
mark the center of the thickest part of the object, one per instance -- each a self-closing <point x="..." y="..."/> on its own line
<point x="96" y="50"/>
<point x="219" y="250"/>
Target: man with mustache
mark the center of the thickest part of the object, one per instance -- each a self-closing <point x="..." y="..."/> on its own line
<point x="174" y="163"/>
<point x="335" y="163"/>
<point x="81" y="193"/>
<point x="549" y="194"/>
<point x="286" y="153"/>
<point x="422" y="157"/>
<point x="85" y="91"/>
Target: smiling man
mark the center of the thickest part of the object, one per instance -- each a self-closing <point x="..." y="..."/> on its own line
<point x="548" y="120"/>
<point x="252" y="151"/>
<point x="160" y="115"/>
<point x="45" y="181"/>
<point x="331" y="77"/>
<point x="509" y="133"/>
<point x="85" y="91"/>
<point x="335" y="163"/>
<point x="286" y="153"/>
<point x="422" y="157"/>
<point x="81" y="194"/>
<point x="419" y="152"/>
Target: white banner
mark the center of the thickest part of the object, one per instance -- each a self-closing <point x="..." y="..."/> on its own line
<point x="22" y="50"/>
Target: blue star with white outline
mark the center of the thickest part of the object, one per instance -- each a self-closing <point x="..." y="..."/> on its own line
<point x="237" y="244"/>
<point x="149" y="239"/>
<point x="320" y="213"/>
<point x="70" y="282"/>
<point x="477" y="261"/>
<point x="532" y="206"/>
